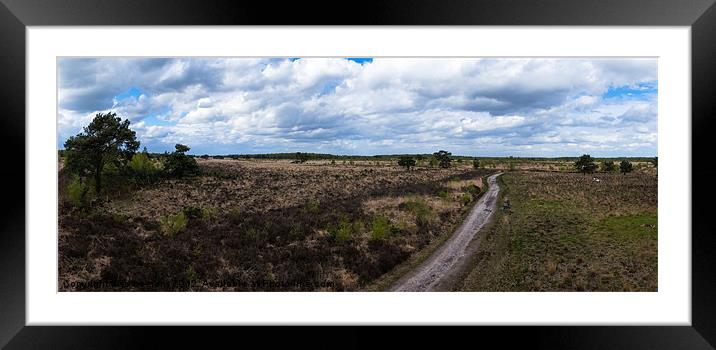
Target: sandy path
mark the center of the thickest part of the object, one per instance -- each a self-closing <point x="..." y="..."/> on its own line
<point x="438" y="266"/>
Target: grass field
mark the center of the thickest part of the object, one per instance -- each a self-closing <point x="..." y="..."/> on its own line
<point x="264" y="225"/>
<point x="567" y="232"/>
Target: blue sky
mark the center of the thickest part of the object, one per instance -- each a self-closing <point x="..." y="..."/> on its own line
<point x="365" y="106"/>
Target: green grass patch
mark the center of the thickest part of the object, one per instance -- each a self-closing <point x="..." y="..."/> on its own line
<point x="629" y="227"/>
<point x="565" y="233"/>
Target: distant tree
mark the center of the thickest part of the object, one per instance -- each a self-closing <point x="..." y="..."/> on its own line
<point x="585" y="164"/>
<point x="625" y="167"/>
<point x="301" y="157"/>
<point x="655" y="161"/>
<point x="608" y="166"/>
<point x="443" y="158"/>
<point x="476" y="163"/>
<point x="178" y="164"/>
<point x="106" y="140"/>
<point x="407" y="162"/>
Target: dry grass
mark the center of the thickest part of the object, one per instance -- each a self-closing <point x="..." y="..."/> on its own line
<point x="264" y="225"/>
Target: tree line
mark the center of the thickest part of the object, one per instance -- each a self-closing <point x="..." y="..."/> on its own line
<point x="587" y="165"/>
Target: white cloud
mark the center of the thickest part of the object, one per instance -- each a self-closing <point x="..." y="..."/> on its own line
<point x="390" y="105"/>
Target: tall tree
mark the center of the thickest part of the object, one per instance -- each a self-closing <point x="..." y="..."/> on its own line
<point x="585" y="164"/>
<point x="625" y="167"/>
<point x="407" y="162"/>
<point x="476" y="163"/>
<point x="443" y="158"/>
<point x="106" y="140"/>
<point x="301" y="157"/>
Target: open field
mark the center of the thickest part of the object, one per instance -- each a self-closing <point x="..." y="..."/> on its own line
<point x="567" y="232"/>
<point x="263" y="225"/>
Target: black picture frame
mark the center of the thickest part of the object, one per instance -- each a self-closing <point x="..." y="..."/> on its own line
<point x="699" y="15"/>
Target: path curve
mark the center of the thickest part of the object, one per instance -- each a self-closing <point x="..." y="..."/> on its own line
<point x="439" y="265"/>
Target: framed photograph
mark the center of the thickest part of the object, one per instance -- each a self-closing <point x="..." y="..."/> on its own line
<point x="465" y="164"/>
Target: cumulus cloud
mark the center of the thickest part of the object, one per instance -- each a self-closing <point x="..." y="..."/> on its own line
<point x="483" y="106"/>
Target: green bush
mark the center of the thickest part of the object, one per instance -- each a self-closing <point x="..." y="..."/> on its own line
<point x="77" y="192"/>
<point x="625" y="167"/>
<point x="473" y="189"/>
<point x="191" y="274"/>
<point x="344" y="230"/>
<point x="142" y="167"/>
<point x="195" y="213"/>
<point x="465" y="199"/>
<point x="380" y="228"/>
<point x="445" y="195"/>
<point x="254" y="234"/>
<point x="235" y="215"/>
<point x="174" y="223"/>
<point x="419" y="208"/>
<point x="608" y="166"/>
<point x="178" y="164"/>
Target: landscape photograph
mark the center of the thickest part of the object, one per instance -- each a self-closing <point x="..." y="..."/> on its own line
<point x="357" y="174"/>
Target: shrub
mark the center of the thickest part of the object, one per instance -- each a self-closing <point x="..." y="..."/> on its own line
<point x="407" y="162"/>
<point x="195" y="213"/>
<point x="625" y="167"/>
<point x="235" y="215"/>
<point x="465" y="199"/>
<point x="476" y="163"/>
<point x="253" y="234"/>
<point x="344" y="230"/>
<point x="608" y="166"/>
<point x="445" y="195"/>
<point x="191" y="274"/>
<point x="473" y="189"/>
<point x="141" y="166"/>
<point x="419" y="208"/>
<point x="174" y="223"/>
<point x="178" y="164"/>
<point x="77" y="192"/>
<point x="380" y="228"/>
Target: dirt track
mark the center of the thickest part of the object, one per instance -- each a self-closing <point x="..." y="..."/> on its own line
<point x="446" y="258"/>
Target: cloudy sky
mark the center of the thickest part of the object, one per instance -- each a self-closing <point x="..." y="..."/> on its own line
<point x="366" y="106"/>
